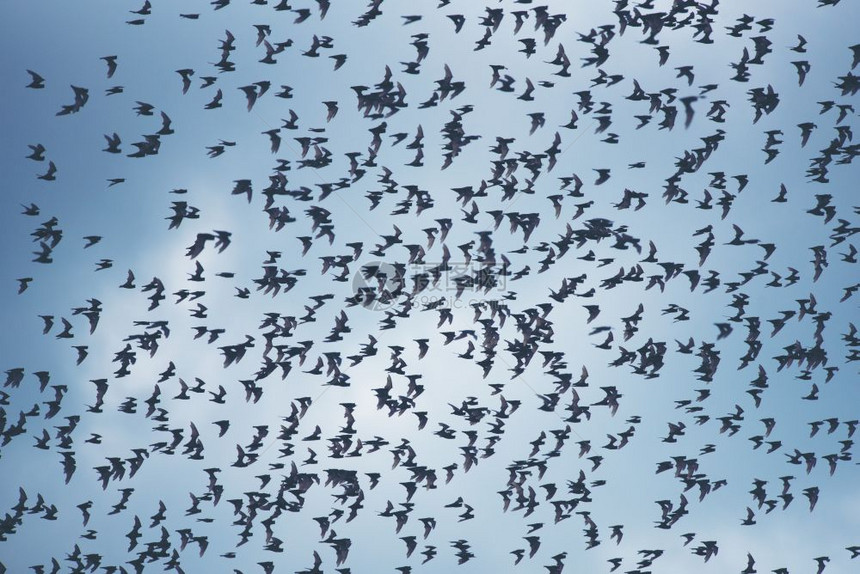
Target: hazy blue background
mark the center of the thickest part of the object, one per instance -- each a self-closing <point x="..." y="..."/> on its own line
<point x="64" y="42"/>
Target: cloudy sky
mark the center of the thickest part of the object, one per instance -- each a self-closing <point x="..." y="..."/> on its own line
<point x="234" y="212"/>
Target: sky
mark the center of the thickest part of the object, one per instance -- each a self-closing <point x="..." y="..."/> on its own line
<point x="380" y="142"/>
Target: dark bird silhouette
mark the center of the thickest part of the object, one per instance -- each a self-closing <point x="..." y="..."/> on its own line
<point x="37" y="82"/>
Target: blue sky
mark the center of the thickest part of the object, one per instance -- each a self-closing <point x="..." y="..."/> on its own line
<point x="65" y="44"/>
